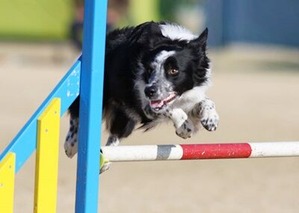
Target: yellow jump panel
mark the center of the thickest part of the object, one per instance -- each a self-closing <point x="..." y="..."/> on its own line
<point x="7" y="181"/>
<point x="46" y="171"/>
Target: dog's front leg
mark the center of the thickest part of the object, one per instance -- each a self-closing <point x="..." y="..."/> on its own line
<point x="184" y="127"/>
<point x="205" y="113"/>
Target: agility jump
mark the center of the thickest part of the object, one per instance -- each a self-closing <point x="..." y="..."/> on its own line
<point x="45" y="121"/>
<point x="201" y="151"/>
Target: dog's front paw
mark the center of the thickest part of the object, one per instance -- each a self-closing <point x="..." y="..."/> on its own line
<point x="210" y="122"/>
<point x="185" y="130"/>
<point x="209" y="117"/>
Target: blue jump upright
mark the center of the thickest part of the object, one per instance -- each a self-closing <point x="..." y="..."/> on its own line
<point x="85" y="78"/>
<point x="91" y="94"/>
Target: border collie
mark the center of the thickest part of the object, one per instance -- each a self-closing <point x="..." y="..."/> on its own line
<point x="153" y="73"/>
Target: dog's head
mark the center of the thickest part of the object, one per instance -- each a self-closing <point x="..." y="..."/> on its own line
<point x="173" y="61"/>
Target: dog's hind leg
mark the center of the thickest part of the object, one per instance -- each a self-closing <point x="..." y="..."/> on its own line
<point x="120" y="126"/>
<point x="71" y="141"/>
<point x="112" y="141"/>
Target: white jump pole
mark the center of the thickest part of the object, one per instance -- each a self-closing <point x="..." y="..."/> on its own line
<point x="201" y="151"/>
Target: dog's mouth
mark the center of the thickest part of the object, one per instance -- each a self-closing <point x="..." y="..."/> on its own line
<point x="157" y="105"/>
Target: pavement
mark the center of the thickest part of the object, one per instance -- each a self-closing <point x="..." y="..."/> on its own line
<point x="255" y="89"/>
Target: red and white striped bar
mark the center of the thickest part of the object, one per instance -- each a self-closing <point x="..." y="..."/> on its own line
<point x="201" y="151"/>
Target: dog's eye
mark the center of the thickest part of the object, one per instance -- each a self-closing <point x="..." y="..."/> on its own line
<point x="172" y="71"/>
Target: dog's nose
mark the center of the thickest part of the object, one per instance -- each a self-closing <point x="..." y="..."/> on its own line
<point x="150" y="91"/>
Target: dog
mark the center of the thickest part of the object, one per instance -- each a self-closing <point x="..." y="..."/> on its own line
<point x="154" y="72"/>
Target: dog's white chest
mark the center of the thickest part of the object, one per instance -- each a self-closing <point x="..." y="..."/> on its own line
<point x="187" y="100"/>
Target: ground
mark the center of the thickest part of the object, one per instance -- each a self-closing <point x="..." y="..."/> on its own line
<point x="256" y="93"/>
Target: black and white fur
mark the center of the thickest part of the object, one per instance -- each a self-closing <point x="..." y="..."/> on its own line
<point x="154" y="72"/>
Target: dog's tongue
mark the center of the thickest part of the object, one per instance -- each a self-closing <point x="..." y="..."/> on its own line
<point x="157" y="104"/>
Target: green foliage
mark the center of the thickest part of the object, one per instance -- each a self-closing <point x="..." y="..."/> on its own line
<point x="168" y="8"/>
<point x="35" y="19"/>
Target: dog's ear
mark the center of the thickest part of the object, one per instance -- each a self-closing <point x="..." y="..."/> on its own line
<point x="144" y="33"/>
<point x="200" y="42"/>
<point x="199" y="46"/>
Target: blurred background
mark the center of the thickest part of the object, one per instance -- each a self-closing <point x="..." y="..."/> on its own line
<point x="254" y="48"/>
<point x="267" y="22"/>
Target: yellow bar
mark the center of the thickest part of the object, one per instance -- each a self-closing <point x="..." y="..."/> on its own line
<point x="7" y="182"/>
<point x="46" y="171"/>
